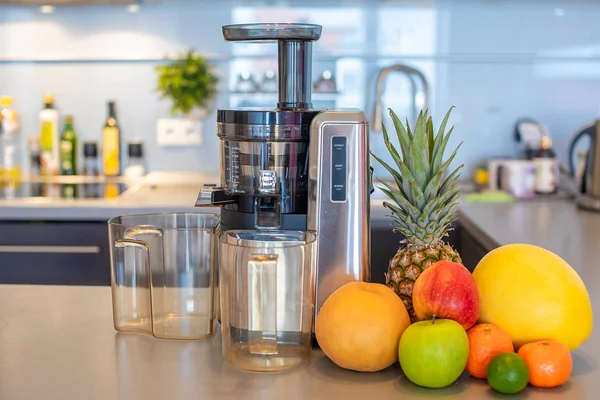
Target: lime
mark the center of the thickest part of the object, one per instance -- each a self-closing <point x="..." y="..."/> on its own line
<point x="508" y="373"/>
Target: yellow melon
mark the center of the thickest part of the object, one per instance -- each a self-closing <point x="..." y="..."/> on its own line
<point x="359" y="326"/>
<point x="533" y="294"/>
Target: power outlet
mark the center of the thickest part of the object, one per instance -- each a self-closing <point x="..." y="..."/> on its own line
<point x="192" y="133"/>
<point x="178" y="132"/>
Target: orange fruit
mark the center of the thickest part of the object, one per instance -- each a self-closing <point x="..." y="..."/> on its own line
<point x="486" y="341"/>
<point x="359" y="326"/>
<point x="549" y="363"/>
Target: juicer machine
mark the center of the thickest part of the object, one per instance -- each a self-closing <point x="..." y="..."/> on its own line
<point x="297" y="168"/>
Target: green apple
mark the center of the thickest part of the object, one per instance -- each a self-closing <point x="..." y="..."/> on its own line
<point x="434" y="353"/>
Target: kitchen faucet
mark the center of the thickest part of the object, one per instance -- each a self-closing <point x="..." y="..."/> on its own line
<point x="413" y="75"/>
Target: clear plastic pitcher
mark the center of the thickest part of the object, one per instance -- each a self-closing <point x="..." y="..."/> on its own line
<point x="163" y="274"/>
<point x="267" y="296"/>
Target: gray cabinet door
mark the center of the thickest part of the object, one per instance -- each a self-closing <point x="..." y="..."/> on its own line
<point x="471" y="249"/>
<point x="54" y="253"/>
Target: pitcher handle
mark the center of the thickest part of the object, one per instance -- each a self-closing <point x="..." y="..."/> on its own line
<point x="262" y="304"/>
<point x="160" y="302"/>
<point x="153" y="237"/>
<point x="132" y="303"/>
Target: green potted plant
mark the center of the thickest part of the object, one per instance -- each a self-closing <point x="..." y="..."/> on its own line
<point x="189" y="83"/>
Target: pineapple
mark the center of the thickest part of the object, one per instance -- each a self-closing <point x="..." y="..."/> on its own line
<point x="422" y="202"/>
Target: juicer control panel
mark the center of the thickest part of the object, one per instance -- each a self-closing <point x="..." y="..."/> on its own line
<point x="339" y="146"/>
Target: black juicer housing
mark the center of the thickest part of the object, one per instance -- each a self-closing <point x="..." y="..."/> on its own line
<point x="264" y="153"/>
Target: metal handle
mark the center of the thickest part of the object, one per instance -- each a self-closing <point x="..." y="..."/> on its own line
<point x="50" y="249"/>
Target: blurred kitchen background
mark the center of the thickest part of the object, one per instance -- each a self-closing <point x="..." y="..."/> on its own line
<point x="86" y="134"/>
<point x="497" y="61"/>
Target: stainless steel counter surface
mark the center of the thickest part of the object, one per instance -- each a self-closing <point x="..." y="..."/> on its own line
<point x="555" y="225"/>
<point x="59" y="343"/>
<point x="157" y="192"/>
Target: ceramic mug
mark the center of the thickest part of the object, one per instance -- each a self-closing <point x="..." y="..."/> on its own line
<point x="516" y="177"/>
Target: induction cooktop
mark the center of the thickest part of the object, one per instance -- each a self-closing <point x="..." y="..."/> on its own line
<point x="20" y="190"/>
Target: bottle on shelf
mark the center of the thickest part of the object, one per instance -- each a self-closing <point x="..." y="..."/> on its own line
<point x="111" y="143"/>
<point x="91" y="168"/>
<point x="35" y="164"/>
<point x="546" y="168"/>
<point x="111" y="190"/>
<point x="9" y="118"/>
<point x="68" y="148"/>
<point x="136" y="167"/>
<point x="68" y="191"/>
<point x="49" y="137"/>
<point x="90" y="159"/>
<point x="10" y="148"/>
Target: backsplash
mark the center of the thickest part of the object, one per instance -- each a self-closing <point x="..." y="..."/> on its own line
<point x="495" y="61"/>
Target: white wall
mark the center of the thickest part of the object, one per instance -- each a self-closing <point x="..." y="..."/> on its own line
<point x="495" y="61"/>
<point x="82" y="88"/>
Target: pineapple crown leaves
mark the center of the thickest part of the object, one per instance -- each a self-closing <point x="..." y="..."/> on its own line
<point x="424" y="201"/>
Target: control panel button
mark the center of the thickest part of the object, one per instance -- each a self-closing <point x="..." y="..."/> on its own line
<point x="339" y="150"/>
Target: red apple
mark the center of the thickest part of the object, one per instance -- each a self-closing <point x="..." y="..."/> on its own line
<point x="447" y="290"/>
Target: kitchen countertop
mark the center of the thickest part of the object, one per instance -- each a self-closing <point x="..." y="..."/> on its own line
<point x="157" y="192"/>
<point x="59" y="343"/>
<point x="556" y="225"/>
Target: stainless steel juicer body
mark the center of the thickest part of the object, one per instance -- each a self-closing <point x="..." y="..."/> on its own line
<point x="297" y="168"/>
<point x="338" y="202"/>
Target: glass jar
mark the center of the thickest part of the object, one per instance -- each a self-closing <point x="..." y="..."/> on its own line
<point x="267" y="295"/>
<point x="163" y="274"/>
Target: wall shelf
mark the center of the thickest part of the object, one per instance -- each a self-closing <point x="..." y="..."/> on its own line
<point x="218" y="58"/>
<point x="273" y="95"/>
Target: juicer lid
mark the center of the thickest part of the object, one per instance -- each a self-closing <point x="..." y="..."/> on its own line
<point x="268" y="32"/>
<point x="258" y="116"/>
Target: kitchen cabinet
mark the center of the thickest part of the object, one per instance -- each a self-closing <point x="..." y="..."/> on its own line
<point x="77" y="253"/>
<point x="471" y="250"/>
<point x="385" y="243"/>
<point x="54" y="253"/>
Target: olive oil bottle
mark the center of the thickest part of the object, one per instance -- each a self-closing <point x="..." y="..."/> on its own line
<point x="49" y="137"/>
<point x="111" y="143"/>
<point x="68" y="148"/>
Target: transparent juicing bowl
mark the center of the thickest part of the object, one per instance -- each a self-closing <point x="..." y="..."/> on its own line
<point x="163" y="274"/>
<point x="266" y="293"/>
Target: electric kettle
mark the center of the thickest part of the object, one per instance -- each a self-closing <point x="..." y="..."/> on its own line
<point x="588" y="197"/>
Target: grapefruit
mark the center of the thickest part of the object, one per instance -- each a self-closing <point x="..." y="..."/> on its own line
<point x="533" y="294"/>
<point x="359" y="326"/>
